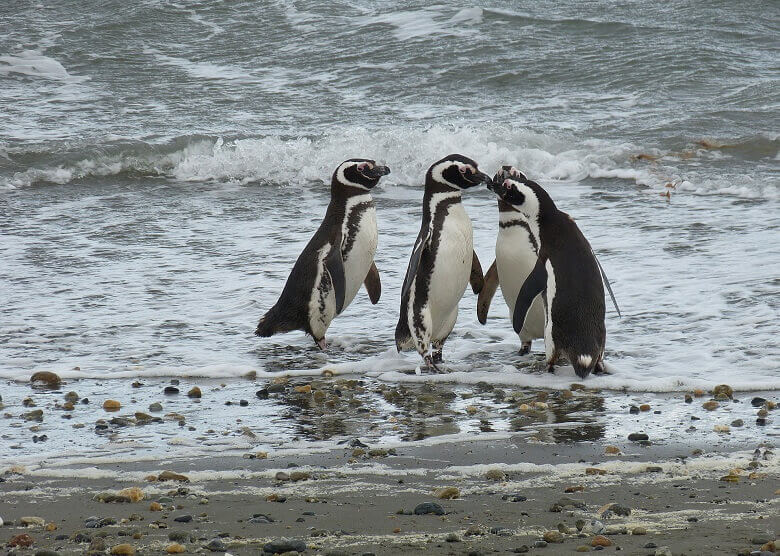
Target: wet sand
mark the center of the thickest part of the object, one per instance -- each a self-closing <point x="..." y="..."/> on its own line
<point x="353" y="500"/>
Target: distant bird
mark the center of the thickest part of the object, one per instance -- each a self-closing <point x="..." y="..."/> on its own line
<point x="336" y="261"/>
<point x="516" y="252"/>
<point x="568" y="274"/>
<point x="443" y="261"/>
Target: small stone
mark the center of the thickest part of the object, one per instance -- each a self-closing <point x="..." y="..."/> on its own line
<point x="698" y="392"/>
<point x="452" y="537"/>
<point x="593" y="527"/>
<point x="637" y="436"/>
<point x="723" y="389"/>
<point x="639" y="531"/>
<point x="186" y="518"/>
<point x="575" y="488"/>
<point x="711" y="405"/>
<point x="284" y="545"/>
<point x="495" y="475"/>
<point x="688" y="398"/>
<point x="471" y="410"/>
<point x="722" y="428"/>
<point x="600" y="540"/>
<point x="175" y="548"/>
<point x="762" y="413"/>
<point x="216" y="545"/>
<point x="46" y="379"/>
<point x="583" y="548"/>
<point x="123" y="550"/>
<point x="634" y="410"/>
<point x="447" y="493"/>
<point x="51" y="526"/>
<point x="595" y="471"/>
<point x="663" y="551"/>
<point x="612" y="450"/>
<point x="111" y="405"/>
<point x="194" y="392"/>
<point x="553" y="536"/>
<point x="170" y="390"/>
<point x="97" y="545"/>
<point x="644" y="407"/>
<point x="135" y="494"/>
<point x="296" y="476"/>
<point x="21" y="541"/>
<point x="730" y="478"/>
<point x="243" y="403"/>
<point x="155" y="407"/>
<point x="171" y="476"/>
<point x="540" y="544"/>
<point x="36" y="415"/>
<point x="653" y="469"/>
<point x="155" y="507"/>
<point x="473" y="531"/>
<point x="761" y="422"/>
<point x="522" y="549"/>
<point x="178" y="536"/>
<point x="428" y="508"/>
<point x="32" y="521"/>
<point x="737" y="423"/>
<point x="760" y="538"/>
<point x="305" y="389"/>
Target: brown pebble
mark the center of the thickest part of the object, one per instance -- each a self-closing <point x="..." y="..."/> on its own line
<point x="175" y="548"/>
<point x="711" y="405"/>
<point x="595" y="471"/>
<point x="612" y="450"/>
<point x="51" y="526"/>
<point x="447" y="493"/>
<point x="171" y="476"/>
<point x="575" y="488"/>
<point x="155" y="507"/>
<point x="123" y="550"/>
<point x="644" y="407"/>
<point x="135" y="494"/>
<point x="698" y="393"/>
<point x="46" y="379"/>
<point x="600" y="540"/>
<point x="397" y="530"/>
<point x="194" y="393"/>
<point x="111" y="405"/>
<point x="305" y="389"/>
<point x="22" y="541"/>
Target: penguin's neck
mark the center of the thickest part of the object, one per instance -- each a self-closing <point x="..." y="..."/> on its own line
<point x="507" y="216"/>
<point x="434" y="196"/>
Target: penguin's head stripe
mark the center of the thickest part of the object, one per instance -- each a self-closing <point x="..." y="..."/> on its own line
<point x="519" y="195"/>
<point x="359" y="172"/>
<point x="457" y="172"/>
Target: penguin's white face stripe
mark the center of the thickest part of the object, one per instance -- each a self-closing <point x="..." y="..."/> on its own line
<point x="362" y="166"/>
<point x="530" y="206"/>
<point x="437" y="172"/>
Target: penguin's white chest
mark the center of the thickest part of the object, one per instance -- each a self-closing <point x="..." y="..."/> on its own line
<point x="515" y="259"/>
<point x="452" y="265"/>
<point x="359" y="240"/>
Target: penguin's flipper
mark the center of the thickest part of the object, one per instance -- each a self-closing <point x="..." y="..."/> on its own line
<point x="487" y="293"/>
<point x="372" y="284"/>
<point x="476" y="279"/>
<point x="606" y="283"/>
<point x="534" y="284"/>
<point x="334" y="264"/>
<point x="414" y="262"/>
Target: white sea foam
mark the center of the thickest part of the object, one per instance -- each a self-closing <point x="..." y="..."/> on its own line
<point x="33" y="63"/>
<point x="427" y="22"/>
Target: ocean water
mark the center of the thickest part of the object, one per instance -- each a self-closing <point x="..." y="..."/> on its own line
<point x="162" y="164"/>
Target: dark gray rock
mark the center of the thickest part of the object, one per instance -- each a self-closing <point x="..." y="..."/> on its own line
<point x="216" y="545"/>
<point x="179" y="536"/>
<point x="186" y="518"/>
<point x="284" y="545"/>
<point x="428" y="508"/>
<point x="637" y="436"/>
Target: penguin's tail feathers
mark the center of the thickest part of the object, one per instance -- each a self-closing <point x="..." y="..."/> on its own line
<point x="584" y="364"/>
<point x="274" y="322"/>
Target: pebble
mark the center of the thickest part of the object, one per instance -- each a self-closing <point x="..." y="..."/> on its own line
<point x="452" y="537"/>
<point x="583" y="548"/>
<point x="722" y="428"/>
<point x="243" y="403"/>
<point x="296" y="476"/>
<point x="428" y="508"/>
<point x="653" y="469"/>
<point x="553" y="536"/>
<point x="639" y="531"/>
<point x="194" y="392"/>
<point x="97" y="544"/>
<point x="711" y="405"/>
<point x="186" y="518"/>
<point x="447" y="493"/>
<point x="473" y="531"/>
<point x="688" y="398"/>
<point x="633" y="410"/>
<point x="22" y="541"/>
<point x="111" y="405"/>
<point x="594" y="527"/>
<point x="261" y="518"/>
<point x="540" y="544"/>
<point x="171" y="476"/>
<point x="663" y="551"/>
<point x="282" y="476"/>
<point x="737" y="423"/>
<point x="155" y="407"/>
<point x="36" y="415"/>
<point x="761" y="422"/>
<point x="600" y="540"/>
<point x="760" y="538"/>
<point x="595" y="471"/>
<point x="495" y="475"/>
<point x="175" y="548"/>
<point x="723" y="389"/>
<point x="135" y="494"/>
<point x="522" y="549"/>
<point x="636" y="436"/>
<point x="123" y="550"/>
<point x="612" y="450"/>
<point x="644" y="407"/>
<point x="514" y="497"/>
<point x="170" y="390"/>
<point x="216" y="545"/>
<point x="32" y="521"/>
<point x="46" y="379"/>
<point x="284" y="545"/>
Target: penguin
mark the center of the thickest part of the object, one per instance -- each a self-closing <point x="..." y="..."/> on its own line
<point x="516" y="252"/>
<point x="567" y="271"/>
<point x="442" y="263"/>
<point x="336" y="261"/>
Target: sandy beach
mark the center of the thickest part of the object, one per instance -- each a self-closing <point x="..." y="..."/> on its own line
<point x="505" y="492"/>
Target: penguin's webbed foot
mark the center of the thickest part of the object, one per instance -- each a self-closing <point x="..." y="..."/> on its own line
<point x="551" y="368"/>
<point x="601" y="369"/>
<point x="437" y="356"/>
<point x="431" y="365"/>
<point x="322" y="343"/>
<point x="525" y="348"/>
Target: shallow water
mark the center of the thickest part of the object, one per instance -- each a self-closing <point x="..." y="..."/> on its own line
<point x="162" y="165"/>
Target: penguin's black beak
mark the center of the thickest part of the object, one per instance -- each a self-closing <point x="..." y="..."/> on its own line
<point x="377" y="172"/>
<point x="478" y="179"/>
<point x="495" y="185"/>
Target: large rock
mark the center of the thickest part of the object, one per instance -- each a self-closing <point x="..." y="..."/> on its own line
<point x="45" y="379"/>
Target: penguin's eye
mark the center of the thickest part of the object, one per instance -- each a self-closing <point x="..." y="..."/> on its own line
<point x="362" y="167"/>
<point x="507" y="184"/>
